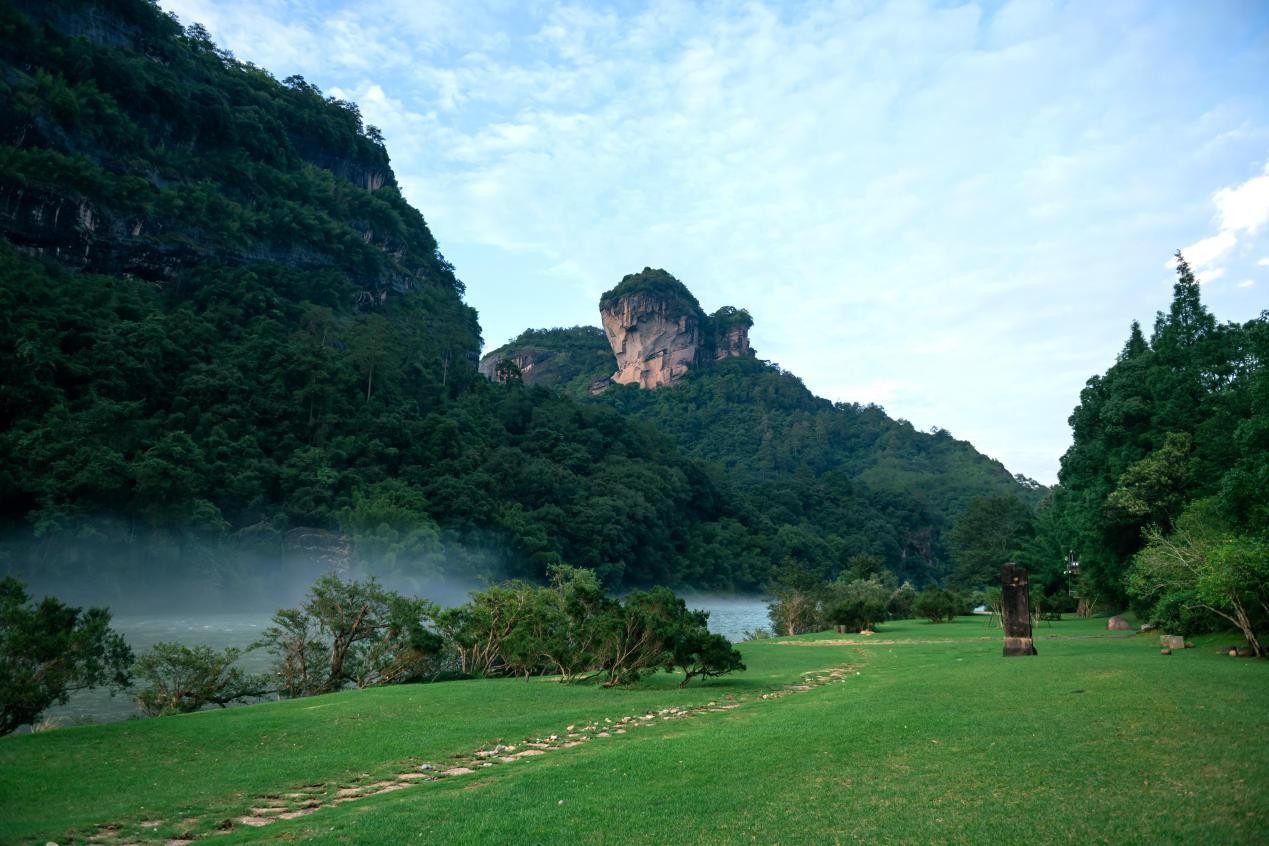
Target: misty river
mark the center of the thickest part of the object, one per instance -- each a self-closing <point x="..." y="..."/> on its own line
<point x="731" y="617"/>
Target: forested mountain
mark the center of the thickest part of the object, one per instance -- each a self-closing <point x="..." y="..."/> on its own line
<point x="836" y="480"/>
<point x="228" y="347"/>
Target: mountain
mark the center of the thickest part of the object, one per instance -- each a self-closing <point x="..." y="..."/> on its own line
<point x="231" y="356"/>
<point x="695" y="377"/>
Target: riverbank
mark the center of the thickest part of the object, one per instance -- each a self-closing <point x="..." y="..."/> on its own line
<point x="731" y="617"/>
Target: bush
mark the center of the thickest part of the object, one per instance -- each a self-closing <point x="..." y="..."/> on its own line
<point x="351" y="632"/>
<point x="901" y="602"/>
<point x="184" y="679"/>
<point x="938" y="605"/>
<point x="859" y="604"/>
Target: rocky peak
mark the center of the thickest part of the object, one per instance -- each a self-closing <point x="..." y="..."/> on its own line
<point x="658" y="332"/>
<point x="655" y="328"/>
<point x="731" y="333"/>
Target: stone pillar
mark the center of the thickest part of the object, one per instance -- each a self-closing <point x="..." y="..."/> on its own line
<point x="1016" y="606"/>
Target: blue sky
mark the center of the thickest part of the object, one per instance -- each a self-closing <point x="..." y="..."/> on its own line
<point x="953" y="210"/>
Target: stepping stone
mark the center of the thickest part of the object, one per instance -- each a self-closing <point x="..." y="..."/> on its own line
<point x="570" y="744"/>
<point x="345" y="792"/>
<point x="391" y="787"/>
<point x="259" y="812"/>
<point x="603" y="734"/>
<point x="507" y="759"/>
<point x="291" y="815"/>
<point x="255" y="821"/>
<point x="413" y="776"/>
<point x="527" y="753"/>
<point x="151" y="823"/>
<point x="457" y="771"/>
<point x="177" y="842"/>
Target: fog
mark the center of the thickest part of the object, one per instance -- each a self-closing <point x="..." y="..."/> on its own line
<point x="151" y="577"/>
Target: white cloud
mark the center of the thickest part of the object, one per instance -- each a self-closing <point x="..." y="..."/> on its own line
<point x="1264" y="262"/>
<point x="1245" y="207"/>
<point x="1240" y="210"/>
<point x="1203" y="253"/>
<point x="1246" y="283"/>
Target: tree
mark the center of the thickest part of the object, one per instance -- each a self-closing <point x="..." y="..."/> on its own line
<point x="350" y="633"/>
<point x="797" y="594"/>
<point x="182" y="679"/>
<point x="1203" y="564"/>
<point x="1155" y="489"/>
<point x="639" y="640"/>
<point x="50" y="650"/>
<point x="698" y="652"/>
<point x="938" y="605"/>
<point x="857" y="604"/>
<point x="989" y="531"/>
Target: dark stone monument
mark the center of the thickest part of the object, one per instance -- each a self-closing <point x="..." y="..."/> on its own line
<point x="1016" y="611"/>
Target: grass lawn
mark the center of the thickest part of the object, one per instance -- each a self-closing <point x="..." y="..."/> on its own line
<point x="936" y="739"/>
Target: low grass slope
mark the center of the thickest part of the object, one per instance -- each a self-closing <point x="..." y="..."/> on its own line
<point x="936" y="739"/>
<point x="1097" y="740"/>
<point x="210" y="765"/>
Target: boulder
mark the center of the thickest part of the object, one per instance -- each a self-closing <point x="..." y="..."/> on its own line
<point x="1172" y="641"/>
<point x="1118" y="624"/>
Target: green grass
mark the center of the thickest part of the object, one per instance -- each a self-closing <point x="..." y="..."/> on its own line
<point x="1098" y="739"/>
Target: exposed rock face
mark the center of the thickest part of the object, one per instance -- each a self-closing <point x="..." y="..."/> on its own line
<point x="658" y="332"/>
<point x="734" y="343"/>
<point x="526" y="360"/>
<point x="656" y="341"/>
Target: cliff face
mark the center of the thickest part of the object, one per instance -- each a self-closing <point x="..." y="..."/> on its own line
<point x="732" y="343"/>
<point x="159" y="153"/>
<point x="658" y="331"/>
<point x="526" y="361"/>
<point x="656" y="340"/>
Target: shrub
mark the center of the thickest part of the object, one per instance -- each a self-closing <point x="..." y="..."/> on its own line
<point x="859" y="604"/>
<point x="182" y="679"/>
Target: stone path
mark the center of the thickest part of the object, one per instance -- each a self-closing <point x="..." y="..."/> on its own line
<point x="309" y="799"/>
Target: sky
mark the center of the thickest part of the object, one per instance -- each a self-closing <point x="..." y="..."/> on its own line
<point x="951" y="209"/>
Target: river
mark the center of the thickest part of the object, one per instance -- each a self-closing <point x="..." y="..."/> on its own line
<point x="730" y="617"/>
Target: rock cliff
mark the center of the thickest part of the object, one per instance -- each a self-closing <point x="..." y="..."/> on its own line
<point x="658" y="331"/>
<point x="655" y="341"/>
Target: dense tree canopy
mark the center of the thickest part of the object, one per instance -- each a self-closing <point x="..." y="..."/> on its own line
<point x="1178" y="420"/>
